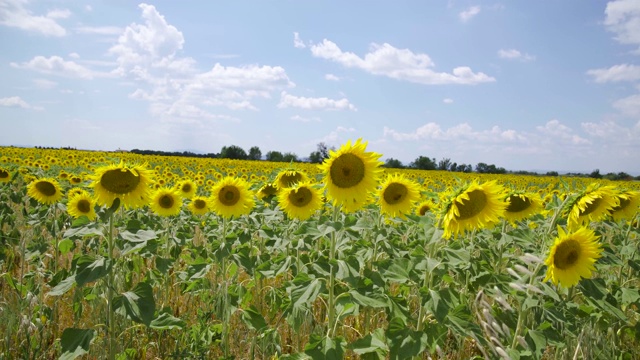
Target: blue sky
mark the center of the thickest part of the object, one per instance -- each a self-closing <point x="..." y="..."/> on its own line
<point x="525" y="85"/>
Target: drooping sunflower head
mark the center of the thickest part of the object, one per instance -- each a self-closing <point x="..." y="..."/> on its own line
<point x="187" y="188"/>
<point x="425" y="207"/>
<point x="199" y="205"/>
<point x="351" y="174"/>
<point x="231" y="197"/>
<point x="45" y="191"/>
<point x="5" y="175"/>
<point x="397" y="195"/>
<point x="81" y="204"/>
<point x="475" y="206"/>
<point x="593" y="204"/>
<point x="521" y="206"/>
<point x="75" y="179"/>
<point x="289" y="177"/>
<point x="572" y="256"/>
<point x="166" y="201"/>
<point x="131" y="184"/>
<point x="300" y="201"/>
<point x="628" y="205"/>
<point x="267" y="191"/>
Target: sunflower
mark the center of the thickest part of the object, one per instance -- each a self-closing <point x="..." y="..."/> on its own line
<point x="129" y="183"/>
<point x="475" y="206"/>
<point x="521" y="206"/>
<point x="424" y="207"/>
<point x="629" y="202"/>
<point x="187" y="188"/>
<point x="81" y="204"/>
<point x="46" y="191"/>
<point x="397" y="195"/>
<point x="300" y="201"/>
<point x="266" y="191"/>
<point x="572" y="256"/>
<point x="166" y="201"/>
<point x="350" y="174"/>
<point x="288" y="178"/>
<point x="199" y="205"/>
<point x="594" y="204"/>
<point x="5" y="175"/>
<point x="231" y="197"/>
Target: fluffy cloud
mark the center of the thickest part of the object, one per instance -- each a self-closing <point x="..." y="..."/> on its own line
<point x="433" y="131"/>
<point x="99" y="30"/>
<point x="616" y="73"/>
<point x="400" y="64"/>
<point x="16" y="101"/>
<point x="13" y="13"/>
<point x="288" y="100"/>
<point x="469" y="13"/>
<point x="553" y="129"/>
<point x="629" y="106"/>
<point x="55" y="65"/>
<point x="331" y="77"/>
<point x="447" y="101"/>
<point x="622" y="17"/>
<point x="297" y="42"/>
<point x="299" y="118"/>
<point x="513" y="54"/>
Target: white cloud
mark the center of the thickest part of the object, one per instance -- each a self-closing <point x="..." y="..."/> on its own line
<point x="629" y="106"/>
<point x="331" y="77"/>
<point x="297" y="42"/>
<point x="288" y="100"/>
<point x="14" y="14"/>
<point x="616" y="73"/>
<point x="299" y="118"/>
<point x="622" y="17"/>
<point x="554" y="129"/>
<point x="469" y="13"/>
<point x="16" y="101"/>
<point x="513" y="54"/>
<point x="44" y="84"/>
<point x="605" y="129"/>
<point x="447" y="101"/>
<point x="464" y="131"/>
<point x="99" y="30"/>
<point x="55" y="65"/>
<point x="74" y="55"/>
<point x="400" y="64"/>
<point x="334" y="135"/>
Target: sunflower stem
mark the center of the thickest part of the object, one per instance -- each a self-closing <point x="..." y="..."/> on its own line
<point x="523" y="313"/>
<point x="110" y="281"/>
<point x="332" y="252"/>
<point x="225" y="294"/>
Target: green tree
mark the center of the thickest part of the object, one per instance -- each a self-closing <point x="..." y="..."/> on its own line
<point x="424" y="163"/>
<point x="393" y="163"/>
<point x="290" y="157"/>
<point x="274" y="156"/>
<point x="255" y="153"/>
<point x="233" y="152"/>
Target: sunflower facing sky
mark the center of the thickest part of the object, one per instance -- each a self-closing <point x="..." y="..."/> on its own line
<point x="187" y="188"/>
<point x="629" y="203"/>
<point x="45" y="191"/>
<point x="572" y="256"/>
<point x="5" y="175"/>
<point x="521" y="206"/>
<point x="397" y="195"/>
<point x="81" y="204"/>
<point x="131" y="184"/>
<point x="594" y="204"/>
<point x="231" y="197"/>
<point x="475" y="206"/>
<point x="199" y="205"/>
<point x="166" y="201"/>
<point x="300" y="201"/>
<point x="350" y="175"/>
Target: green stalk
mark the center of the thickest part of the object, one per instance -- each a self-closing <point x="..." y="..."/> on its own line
<point x="225" y="298"/>
<point x="110" y="293"/>
<point x="522" y="314"/>
<point x="332" y="279"/>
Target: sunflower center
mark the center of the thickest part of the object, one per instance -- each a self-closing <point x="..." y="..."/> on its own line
<point x="4" y="174"/>
<point x="268" y="190"/>
<point x="84" y="206"/>
<point x="119" y="181"/>
<point x="186" y="188"/>
<point x="517" y="204"/>
<point x="472" y="207"/>
<point x="301" y="197"/>
<point x="395" y="193"/>
<point x="423" y="210"/>
<point x="200" y="204"/>
<point x="623" y="204"/>
<point x="591" y="207"/>
<point x="229" y="195"/>
<point x="567" y="254"/>
<point x="166" y="201"/>
<point x="46" y="188"/>
<point x="347" y="171"/>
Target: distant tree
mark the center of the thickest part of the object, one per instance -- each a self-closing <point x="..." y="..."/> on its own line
<point x="233" y="152"/>
<point x="444" y="164"/>
<point x="255" y="153"/>
<point x="424" y="163"/>
<point x="393" y="163"/>
<point x="551" y="173"/>
<point x="482" y="168"/>
<point x="274" y="156"/>
<point x="321" y="153"/>
<point x="453" y="167"/>
<point x="290" y="157"/>
<point x="595" y="174"/>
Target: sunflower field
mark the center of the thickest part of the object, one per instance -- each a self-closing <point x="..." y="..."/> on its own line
<point x="121" y="256"/>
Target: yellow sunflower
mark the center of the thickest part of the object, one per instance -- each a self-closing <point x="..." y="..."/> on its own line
<point x="288" y="178"/>
<point x="231" y="197"/>
<point x="187" y="188"/>
<point x="166" y="201"/>
<point x="266" y="191"/>
<point x="572" y="256"/>
<point x="397" y="195"/>
<point x="45" y="191"/>
<point x="5" y="175"/>
<point x="132" y="184"/>
<point x="300" y="201"/>
<point x="81" y="204"/>
<point x="350" y="174"/>
<point x="424" y="207"/>
<point x="476" y="206"/>
<point x="521" y="206"/>
<point x="594" y="204"/>
<point x="199" y="205"/>
<point x="629" y="202"/>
